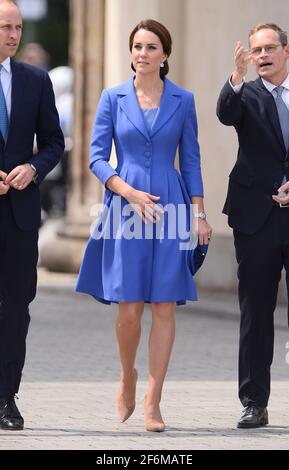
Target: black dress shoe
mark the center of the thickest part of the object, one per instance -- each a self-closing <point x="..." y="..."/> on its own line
<point x="10" y="417"/>
<point x="253" y="417"/>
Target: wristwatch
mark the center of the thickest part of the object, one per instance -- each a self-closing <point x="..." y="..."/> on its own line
<point x="200" y="215"/>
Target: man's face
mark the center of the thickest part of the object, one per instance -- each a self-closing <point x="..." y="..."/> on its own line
<point x="10" y="30"/>
<point x="269" y="56"/>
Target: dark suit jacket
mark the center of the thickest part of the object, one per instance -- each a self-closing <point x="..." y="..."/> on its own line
<point x="33" y="112"/>
<point x="262" y="161"/>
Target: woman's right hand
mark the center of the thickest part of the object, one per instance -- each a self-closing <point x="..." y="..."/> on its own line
<point x="145" y="205"/>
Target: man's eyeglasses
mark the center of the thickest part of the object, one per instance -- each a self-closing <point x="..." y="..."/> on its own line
<point x="270" y="49"/>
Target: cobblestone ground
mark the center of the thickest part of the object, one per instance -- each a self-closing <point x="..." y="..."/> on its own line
<point x="71" y="379"/>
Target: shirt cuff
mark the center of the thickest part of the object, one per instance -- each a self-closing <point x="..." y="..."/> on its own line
<point x="237" y="88"/>
<point x="35" y="177"/>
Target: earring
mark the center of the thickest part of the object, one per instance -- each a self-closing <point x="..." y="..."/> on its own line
<point x="162" y="65"/>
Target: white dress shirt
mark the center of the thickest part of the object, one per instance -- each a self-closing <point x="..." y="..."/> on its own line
<point x="6" y="81"/>
<point x="285" y="95"/>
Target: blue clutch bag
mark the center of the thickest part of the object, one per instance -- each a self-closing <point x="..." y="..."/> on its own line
<point x="196" y="257"/>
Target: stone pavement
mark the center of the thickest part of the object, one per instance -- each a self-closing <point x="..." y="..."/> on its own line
<point x="71" y="378"/>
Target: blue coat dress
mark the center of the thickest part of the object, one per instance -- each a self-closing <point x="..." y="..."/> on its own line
<point x="120" y="268"/>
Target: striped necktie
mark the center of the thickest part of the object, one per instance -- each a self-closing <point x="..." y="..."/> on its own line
<point x="3" y="111"/>
<point x="283" y="113"/>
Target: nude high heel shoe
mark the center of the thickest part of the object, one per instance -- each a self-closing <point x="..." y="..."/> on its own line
<point x="125" y="409"/>
<point x="153" y="424"/>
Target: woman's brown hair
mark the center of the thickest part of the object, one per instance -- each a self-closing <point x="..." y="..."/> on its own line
<point x="164" y="36"/>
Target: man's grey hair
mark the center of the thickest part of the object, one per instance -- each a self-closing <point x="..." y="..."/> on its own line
<point x="283" y="36"/>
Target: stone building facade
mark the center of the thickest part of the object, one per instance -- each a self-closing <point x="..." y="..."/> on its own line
<point x="204" y="35"/>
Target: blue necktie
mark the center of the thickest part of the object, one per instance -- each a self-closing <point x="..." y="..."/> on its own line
<point x="3" y="111"/>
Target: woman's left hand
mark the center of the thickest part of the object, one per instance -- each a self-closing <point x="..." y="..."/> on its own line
<point x="204" y="231"/>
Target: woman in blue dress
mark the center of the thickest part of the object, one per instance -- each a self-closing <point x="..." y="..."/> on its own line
<point x="135" y="253"/>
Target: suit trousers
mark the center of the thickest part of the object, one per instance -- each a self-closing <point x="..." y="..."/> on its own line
<point x="18" y="278"/>
<point x="261" y="258"/>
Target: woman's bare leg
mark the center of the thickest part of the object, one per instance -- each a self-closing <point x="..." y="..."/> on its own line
<point x="160" y="346"/>
<point x="128" y="332"/>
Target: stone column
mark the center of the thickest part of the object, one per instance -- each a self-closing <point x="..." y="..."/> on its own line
<point x="119" y="26"/>
<point x="87" y="54"/>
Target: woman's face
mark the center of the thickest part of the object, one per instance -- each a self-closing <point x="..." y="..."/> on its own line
<point x="147" y="52"/>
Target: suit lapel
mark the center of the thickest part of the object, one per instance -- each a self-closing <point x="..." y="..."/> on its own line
<point x="271" y="112"/>
<point x="170" y="102"/>
<point x="129" y="104"/>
